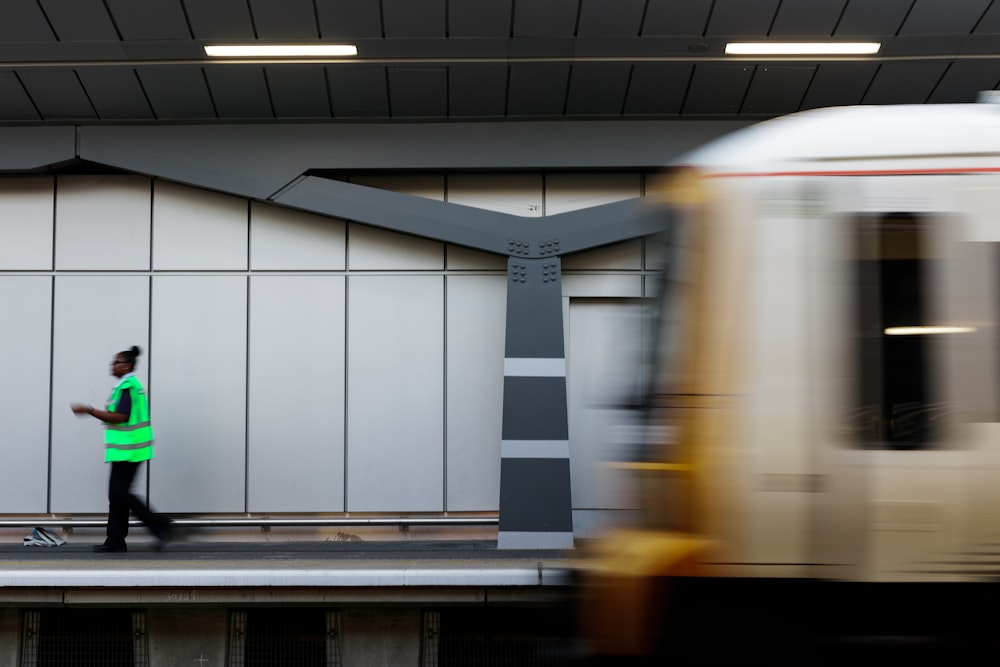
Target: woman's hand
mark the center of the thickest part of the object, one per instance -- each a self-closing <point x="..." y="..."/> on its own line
<point x="79" y="409"/>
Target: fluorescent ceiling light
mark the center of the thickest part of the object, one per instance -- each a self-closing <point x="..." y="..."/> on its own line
<point x="280" y="50"/>
<point x="918" y="331"/>
<point x="802" y="48"/>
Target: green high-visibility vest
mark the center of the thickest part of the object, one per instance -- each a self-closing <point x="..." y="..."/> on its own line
<point x="131" y="440"/>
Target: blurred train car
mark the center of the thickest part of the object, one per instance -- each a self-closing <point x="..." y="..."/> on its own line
<point x="824" y="452"/>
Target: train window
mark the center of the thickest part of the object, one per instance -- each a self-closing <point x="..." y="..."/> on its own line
<point x="894" y="403"/>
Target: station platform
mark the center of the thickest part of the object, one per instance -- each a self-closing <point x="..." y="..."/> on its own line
<point x="287" y="572"/>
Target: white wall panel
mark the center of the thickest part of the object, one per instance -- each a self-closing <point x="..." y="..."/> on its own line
<point x="195" y="229"/>
<point x="461" y="258"/>
<point x="26" y="304"/>
<point x="602" y="285"/>
<point x="296" y="394"/>
<point x="199" y="339"/>
<point x="285" y="239"/>
<point x="602" y="359"/>
<point x="571" y="192"/>
<point x="516" y="194"/>
<point x="626" y="256"/>
<point x="372" y="249"/>
<point x="26" y="213"/>
<point x="476" y="331"/>
<point x="102" y="222"/>
<point x="395" y="394"/>
<point x="95" y="317"/>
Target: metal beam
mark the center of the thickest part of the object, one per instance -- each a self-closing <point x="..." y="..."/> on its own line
<point x="31" y="148"/>
<point x="420" y="216"/>
<point x="501" y="233"/>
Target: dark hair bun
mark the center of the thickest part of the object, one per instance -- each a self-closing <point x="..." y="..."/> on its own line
<point x="136" y="351"/>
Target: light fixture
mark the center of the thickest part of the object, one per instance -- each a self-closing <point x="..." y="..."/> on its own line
<point x="280" y="50"/>
<point x="919" y="331"/>
<point x="802" y="48"/>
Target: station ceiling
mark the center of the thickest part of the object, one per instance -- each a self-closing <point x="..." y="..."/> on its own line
<point x="132" y="61"/>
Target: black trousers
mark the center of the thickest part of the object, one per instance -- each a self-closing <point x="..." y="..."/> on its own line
<point x="121" y="501"/>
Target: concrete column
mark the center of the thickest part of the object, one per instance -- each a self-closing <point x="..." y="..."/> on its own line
<point x="535" y="501"/>
<point x="380" y="637"/>
<point x="186" y="637"/>
<point x="10" y="636"/>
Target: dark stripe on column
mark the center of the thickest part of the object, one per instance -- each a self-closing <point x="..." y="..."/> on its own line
<point x="538" y="504"/>
<point x="537" y="408"/>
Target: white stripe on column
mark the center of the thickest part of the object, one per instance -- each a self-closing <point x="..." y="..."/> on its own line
<point x="534" y="449"/>
<point x="531" y="367"/>
<point x="510" y="539"/>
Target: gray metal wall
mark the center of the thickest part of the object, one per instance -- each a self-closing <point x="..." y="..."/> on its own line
<point x="295" y="363"/>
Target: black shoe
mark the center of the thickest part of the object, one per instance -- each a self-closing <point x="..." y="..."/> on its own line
<point x="110" y="548"/>
<point x="164" y="534"/>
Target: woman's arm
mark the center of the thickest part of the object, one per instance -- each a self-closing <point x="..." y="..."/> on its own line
<point x="119" y="416"/>
<point x="107" y="417"/>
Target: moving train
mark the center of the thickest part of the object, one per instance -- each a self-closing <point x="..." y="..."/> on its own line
<point x="822" y="461"/>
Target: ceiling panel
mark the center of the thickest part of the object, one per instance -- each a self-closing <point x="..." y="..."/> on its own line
<point x="24" y="22"/>
<point x="358" y="91"/>
<point x="553" y="18"/>
<point x="777" y="89"/>
<point x="990" y="22"/>
<point x="480" y="18"/>
<point x="239" y="92"/>
<point x="177" y="93"/>
<point x="741" y="18"/>
<point x="220" y="19"/>
<point x="717" y="89"/>
<point x="921" y="45"/>
<point x="940" y="17"/>
<point x="354" y="19"/>
<point x="286" y="20"/>
<point x="807" y="17"/>
<point x="964" y="79"/>
<point x="904" y="82"/>
<point x="298" y="91"/>
<point x="481" y="59"/>
<point x="610" y="18"/>
<point x="981" y="45"/>
<point x="839" y="84"/>
<point x="537" y="89"/>
<point x="15" y="105"/>
<point x="864" y="17"/>
<point x="418" y="91"/>
<point x="657" y="89"/>
<point x="57" y="94"/>
<point x="597" y="89"/>
<point x="676" y="17"/>
<point x="413" y="18"/>
<point x="149" y="19"/>
<point x="477" y="90"/>
<point x="77" y="20"/>
<point x="115" y="93"/>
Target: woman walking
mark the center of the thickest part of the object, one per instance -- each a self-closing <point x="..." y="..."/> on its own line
<point x="128" y="442"/>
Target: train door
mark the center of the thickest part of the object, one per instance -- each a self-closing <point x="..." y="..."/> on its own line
<point x="891" y="452"/>
<point x="975" y="362"/>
